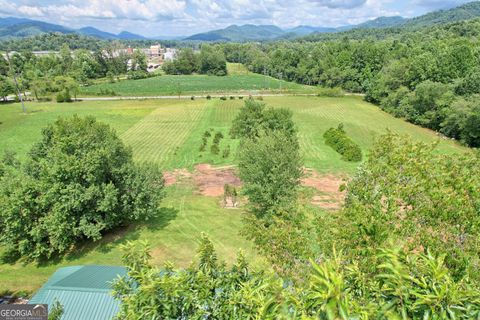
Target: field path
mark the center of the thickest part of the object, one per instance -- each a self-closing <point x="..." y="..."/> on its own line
<point x="204" y="96"/>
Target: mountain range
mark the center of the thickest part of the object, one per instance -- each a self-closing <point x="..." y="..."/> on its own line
<point x="11" y="28"/>
<point x="19" y="28"/>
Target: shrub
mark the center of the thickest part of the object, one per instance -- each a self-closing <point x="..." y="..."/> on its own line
<point x="240" y="97"/>
<point x="340" y="142"/>
<point x="209" y="97"/>
<point x="192" y="98"/>
<point x="215" y="149"/>
<point x="223" y="98"/>
<point x="79" y="182"/>
<point x="218" y="136"/>
<point x="232" y="98"/>
<point x="137" y="74"/>
<point x="63" y="96"/>
<point x="60" y="98"/>
<point x="226" y="152"/>
<point x="106" y="92"/>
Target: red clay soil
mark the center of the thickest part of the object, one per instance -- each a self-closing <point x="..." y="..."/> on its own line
<point x="172" y="177"/>
<point x="210" y="181"/>
<point x="330" y="197"/>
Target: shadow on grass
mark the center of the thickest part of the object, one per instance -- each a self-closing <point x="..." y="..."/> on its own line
<point x="109" y="241"/>
<point x="121" y="235"/>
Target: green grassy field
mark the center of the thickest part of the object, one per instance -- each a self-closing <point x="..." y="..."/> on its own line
<point x="239" y="81"/>
<point x="169" y="133"/>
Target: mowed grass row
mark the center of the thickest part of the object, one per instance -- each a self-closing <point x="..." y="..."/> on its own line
<point x="169" y="132"/>
<point x="175" y="85"/>
<point x="363" y="123"/>
<point x="157" y="136"/>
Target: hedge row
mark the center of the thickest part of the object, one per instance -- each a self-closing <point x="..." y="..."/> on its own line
<point x="340" y="142"/>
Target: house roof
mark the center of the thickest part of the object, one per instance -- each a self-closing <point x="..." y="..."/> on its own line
<point x="83" y="291"/>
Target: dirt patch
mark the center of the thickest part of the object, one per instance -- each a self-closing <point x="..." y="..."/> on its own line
<point x="210" y="181"/>
<point x="328" y="195"/>
<point x="172" y="177"/>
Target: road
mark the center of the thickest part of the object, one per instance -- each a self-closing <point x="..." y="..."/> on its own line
<point x="200" y="96"/>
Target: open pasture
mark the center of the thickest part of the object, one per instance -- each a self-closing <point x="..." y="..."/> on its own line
<point x="169" y="133"/>
<point x="239" y="81"/>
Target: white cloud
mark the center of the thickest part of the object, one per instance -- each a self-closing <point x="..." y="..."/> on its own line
<point x="30" y="11"/>
<point x="185" y="17"/>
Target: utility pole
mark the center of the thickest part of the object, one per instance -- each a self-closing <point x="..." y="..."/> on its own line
<point x="265" y="77"/>
<point x="16" y="82"/>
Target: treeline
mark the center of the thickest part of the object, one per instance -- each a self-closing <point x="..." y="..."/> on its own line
<point x="404" y="246"/>
<point x="210" y="60"/>
<point x="429" y="78"/>
<point x="64" y="72"/>
<point x="54" y="41"/>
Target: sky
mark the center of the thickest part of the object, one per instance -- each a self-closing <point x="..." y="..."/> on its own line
<point x="186" y="17"/>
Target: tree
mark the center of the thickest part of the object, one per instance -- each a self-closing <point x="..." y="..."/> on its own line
<point x="254" y="118"/>
<point x="212" y="61"/>
<point x="6" y="87"/>
<point x="66" y="85"/>
<point x="270" y="167"/>
<point x="462" y="121"/>
<point x="249" y="120"/>
<point x="186" y="62"/>
<point x="139" y="61"/>
<point x="406" y="193"/>
<point x="79" y="182"/>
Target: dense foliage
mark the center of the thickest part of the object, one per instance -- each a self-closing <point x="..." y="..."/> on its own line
<point x="79" y="181"/>
<point x="415" y="75"/>
<point x="337" y="139"/>
<point x="61" y="74"/>
<point x="209" y="61"/>
<point x="408" y="194"/>
<point x="416" y="286"/>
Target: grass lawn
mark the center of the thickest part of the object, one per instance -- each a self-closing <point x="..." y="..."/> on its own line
<point x="239" y="81"/>
<point x="169" y="133"/>
<point x="173" y="237"/>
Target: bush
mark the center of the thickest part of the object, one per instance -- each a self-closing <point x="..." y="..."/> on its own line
<point x="137" y="74"/>
<point x="226" y="152"/>
<point x="79" y="182"/>
<point x="215" y="149"/>
<point x="223" y="98"/>
<point x="63" y="96"/>
<point x="60" y="98"/>
<point x="340" y="142"/>
<point x="209" y="97"/>
<point x="232" y="98"/>
<point x="106" y="92"/>
<point x="240" y="97"/>
<point x="192" y="98"/>
<point x="218" y="137"/>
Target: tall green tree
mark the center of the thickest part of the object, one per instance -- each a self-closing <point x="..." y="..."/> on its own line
<point x="78" y="183"/>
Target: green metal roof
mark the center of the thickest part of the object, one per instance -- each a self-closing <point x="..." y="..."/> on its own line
<point x="84" y="292"/>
